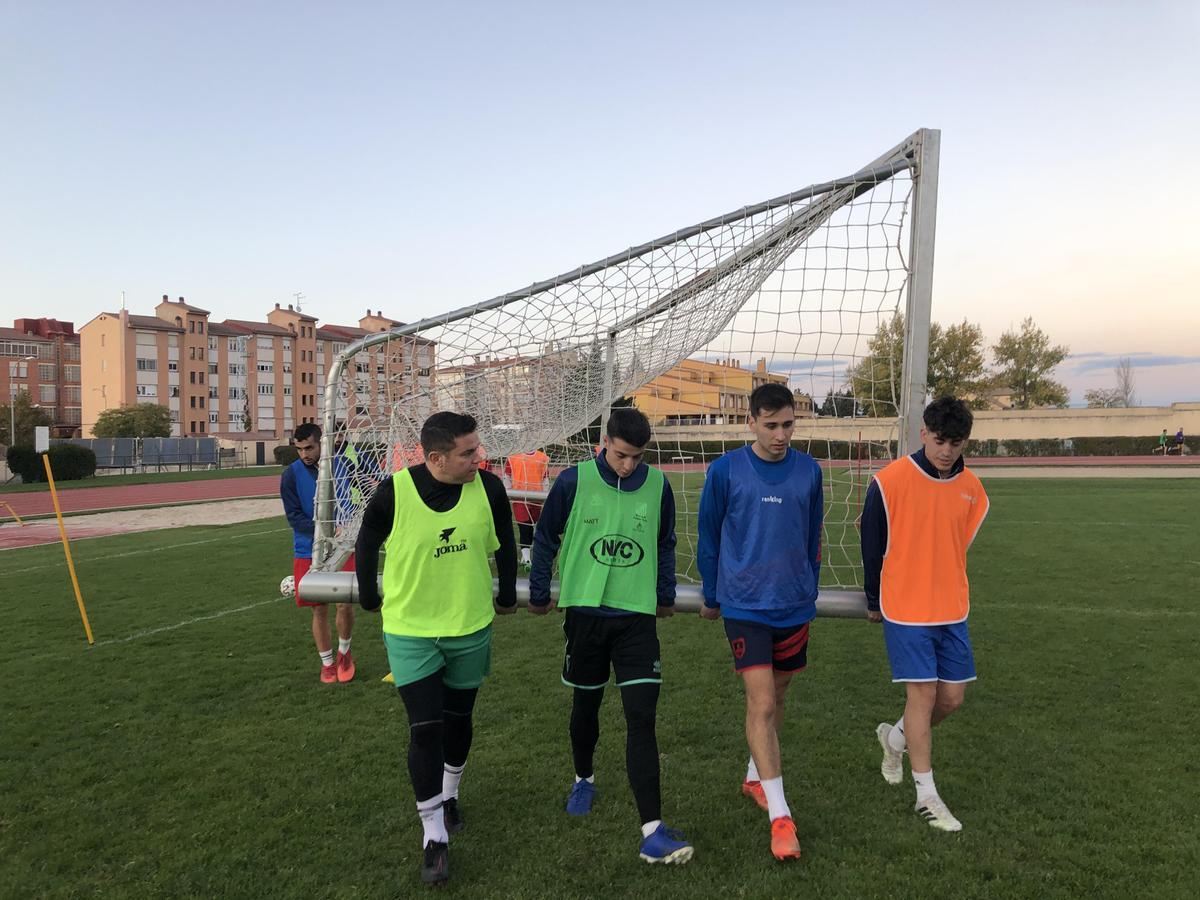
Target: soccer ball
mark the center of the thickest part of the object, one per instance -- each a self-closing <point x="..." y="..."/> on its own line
<point x="287" y="587"/>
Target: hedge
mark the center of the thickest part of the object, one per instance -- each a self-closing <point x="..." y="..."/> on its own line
<point x="286" y="455"/>
<point x="70" y="462"/>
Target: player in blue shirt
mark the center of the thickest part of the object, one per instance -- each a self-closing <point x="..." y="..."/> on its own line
<point x="297" y="490"/>
<point x="760" y="560"/>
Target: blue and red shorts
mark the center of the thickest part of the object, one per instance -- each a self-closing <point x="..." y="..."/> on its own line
<point x="758" y="646"/>
<point x="301" y="566"/>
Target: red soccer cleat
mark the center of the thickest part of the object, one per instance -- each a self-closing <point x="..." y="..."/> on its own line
<point x="345" y="667"/>
<point x="754" y="790"/>
<point x="784" y="843"/>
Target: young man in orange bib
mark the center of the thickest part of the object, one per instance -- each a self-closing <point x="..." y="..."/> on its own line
<point x="921" y="514"/>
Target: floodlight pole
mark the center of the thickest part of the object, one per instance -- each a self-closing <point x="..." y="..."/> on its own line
<point x="914" y="379"/>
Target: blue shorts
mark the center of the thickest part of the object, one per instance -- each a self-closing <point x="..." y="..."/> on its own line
<point x="929" y="652"/>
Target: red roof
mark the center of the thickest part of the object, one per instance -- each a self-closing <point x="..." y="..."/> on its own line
<point x="247" y="326"/>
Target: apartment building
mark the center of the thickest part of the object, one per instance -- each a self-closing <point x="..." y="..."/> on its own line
<point x="699" y="392"/>
<point x="238" y="378"/>
<point x="41" y="357"/>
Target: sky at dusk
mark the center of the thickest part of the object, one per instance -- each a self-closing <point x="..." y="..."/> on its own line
<point x="416" y="158"/>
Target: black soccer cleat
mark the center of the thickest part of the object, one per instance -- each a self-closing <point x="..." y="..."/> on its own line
<point x="451" y="815"/>
<point x="435" y="866"/>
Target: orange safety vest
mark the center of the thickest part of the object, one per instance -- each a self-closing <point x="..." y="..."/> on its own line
<point x="931" y="523"/>
<point x="529" y="470"/>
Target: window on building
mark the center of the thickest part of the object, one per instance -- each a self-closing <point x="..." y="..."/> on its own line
<point x="266" y="389"/>
<point x="287" y="390"/>
<point x="71" y="373"/>
<point x="72" y="415"/>
<point x="193" y="402"/>
<point x="147" y="390"/>
<point x="45" y="372"/>
<point x="200" y="353"/>
<point x="214" y="418"/>
<point x="18" y="370"/>
<point x="47" y="393"/>
<point x="200" y="326"/>
<point x="172" y="340"/>
<point x="201" y="403"/>
<point x="212" y="368"/>
<point x="199" y="378"/>
<point x="21" y="348"/>
<point x="72" y="350"/>
<point x="175" y="391"/>
<point x="193" y="427"/>
<point x="172" y="366"/>
<point x="212" y="344"/>
<point x="266" y="367"/>
<point x="191" y="352"/>
<point x="214" y="393"/>
<point x="72" y="393"/>
<point x="147" y="365"/>
<point x="192" y="377"/>
<point x="192" y="329"/>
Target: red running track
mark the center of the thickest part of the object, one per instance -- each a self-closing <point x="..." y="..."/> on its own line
<point x="96" y="499"/>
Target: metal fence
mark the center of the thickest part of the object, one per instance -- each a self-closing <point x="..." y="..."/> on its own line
<point x="153" y="453"/>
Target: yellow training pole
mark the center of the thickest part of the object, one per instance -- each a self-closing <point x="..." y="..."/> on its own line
<point x="62" y="530"/>
<point x="12" y="512"/>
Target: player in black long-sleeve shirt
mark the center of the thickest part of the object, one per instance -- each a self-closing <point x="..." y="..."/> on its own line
<point x="437" y="523"/>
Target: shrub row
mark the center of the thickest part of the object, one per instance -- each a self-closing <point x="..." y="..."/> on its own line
<point x="70" y="462"/>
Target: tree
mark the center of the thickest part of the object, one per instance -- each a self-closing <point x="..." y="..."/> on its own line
<point x="1025" y="359"/>
<point x="956" y="363"/>
<point x="138" y="420"/>
<point x="875" y="379"/>
<point x="1125" y="381"/>
<point x="1121" y="395"/>
<point x="840" y="405"/>
<point x="1102" y="398"/>
<point x="956" y="366"/>
<point x="27" y="416"/>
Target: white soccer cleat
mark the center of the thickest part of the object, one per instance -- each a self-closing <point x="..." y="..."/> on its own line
<point x="934" y="812"/>
<point x="892" y="766"/>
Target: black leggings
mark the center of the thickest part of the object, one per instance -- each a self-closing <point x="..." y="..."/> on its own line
<point x="641" y="743"/>
<point x="439" y="729"/>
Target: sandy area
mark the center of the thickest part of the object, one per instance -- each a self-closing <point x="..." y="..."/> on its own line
<point x="134" y="520"/>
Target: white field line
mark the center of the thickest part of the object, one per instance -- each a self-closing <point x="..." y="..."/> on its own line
<point x="152" y="631"/>
<point x="140" y="552"/>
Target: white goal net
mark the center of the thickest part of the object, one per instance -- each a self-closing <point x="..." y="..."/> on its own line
<point x="684" y="327"/>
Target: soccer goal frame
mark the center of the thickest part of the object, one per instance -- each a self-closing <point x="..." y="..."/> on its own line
<point x="780" y="225"/>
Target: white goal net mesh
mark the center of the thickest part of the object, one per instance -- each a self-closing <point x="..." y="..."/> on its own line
<point x="790" y="290"/>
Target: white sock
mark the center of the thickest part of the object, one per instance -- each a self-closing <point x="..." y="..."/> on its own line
<point x="777" y="806"/>
<point x="752" y="771"/>
<point x="650" y="827"/>
<point x="925" y="785"/>
<point x="895" y="737"/>
<point x="525" y="555"/>
<point x="451" y="776"/>
<point x="343" y="645"/>
<point x="432" y="820"/>
<point x="591" y="779"/>
<point x="326" y="657"/>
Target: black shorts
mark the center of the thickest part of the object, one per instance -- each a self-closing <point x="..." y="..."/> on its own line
<point x="628" y="645"/>
<point x="757" y="646"/>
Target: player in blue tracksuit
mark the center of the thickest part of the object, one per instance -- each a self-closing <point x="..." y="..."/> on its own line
<point x="297" y="491"/>
<point x="760" y="560"/>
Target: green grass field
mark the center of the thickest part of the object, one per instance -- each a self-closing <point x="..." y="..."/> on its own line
<point x="192" y="752"/>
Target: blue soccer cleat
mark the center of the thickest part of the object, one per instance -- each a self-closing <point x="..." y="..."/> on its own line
<point x="579" y="801"/>
<point x="665" y="845"/>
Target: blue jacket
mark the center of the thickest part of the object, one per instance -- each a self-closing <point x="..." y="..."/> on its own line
<point x="873" y="531"/>
<point x="759" y="552"/>
<point x="298" y="491"/>
<point x="553" y="524"/>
